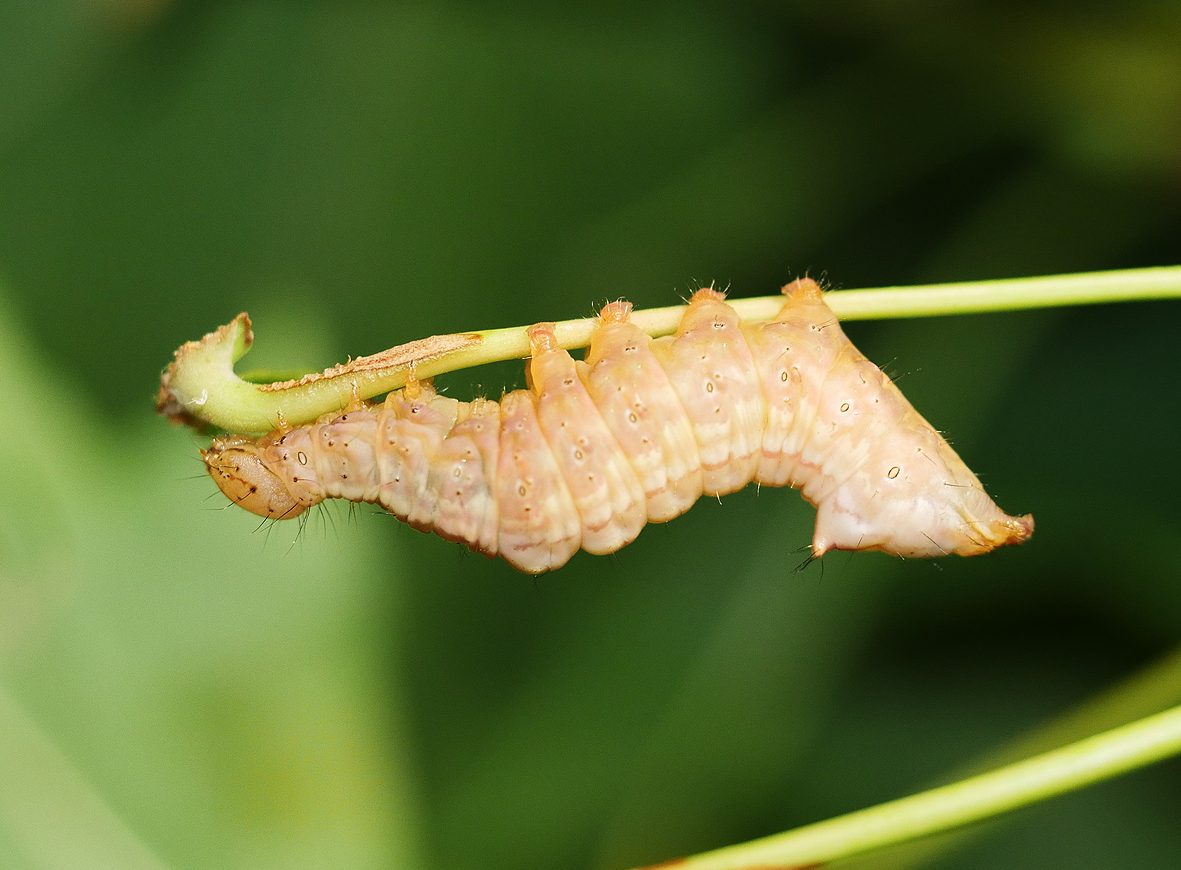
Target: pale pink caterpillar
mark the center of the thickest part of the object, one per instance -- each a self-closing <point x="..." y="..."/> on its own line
<point x="636" y="433"/>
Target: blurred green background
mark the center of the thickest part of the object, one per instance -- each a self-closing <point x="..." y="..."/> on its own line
<point x="177" y="689"/>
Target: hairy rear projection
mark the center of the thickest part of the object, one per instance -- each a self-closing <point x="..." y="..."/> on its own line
<point x="636" y="433"/>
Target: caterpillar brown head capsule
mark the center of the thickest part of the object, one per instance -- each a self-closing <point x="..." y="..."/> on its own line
<point x="238" y="467"/>
<point x="635" y="433"/>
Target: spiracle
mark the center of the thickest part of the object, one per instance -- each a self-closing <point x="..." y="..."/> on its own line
<point x="636" y="432"/>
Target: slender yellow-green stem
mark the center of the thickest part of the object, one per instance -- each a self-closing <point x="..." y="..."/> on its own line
<point x="201" y="386"/>
<point x="1079" y="764"/>
<point x="1154" y="688"/>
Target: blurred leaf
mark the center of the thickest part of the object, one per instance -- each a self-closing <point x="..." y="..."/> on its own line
<point x="211" y="692"/>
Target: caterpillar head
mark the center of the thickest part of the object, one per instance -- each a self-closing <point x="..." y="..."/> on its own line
<point x="237" y="466"/>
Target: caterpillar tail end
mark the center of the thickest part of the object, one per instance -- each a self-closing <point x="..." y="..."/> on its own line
<point x="977" y="537"/>
<point x="964" y="537"/>
<point x="1012" y="530"/>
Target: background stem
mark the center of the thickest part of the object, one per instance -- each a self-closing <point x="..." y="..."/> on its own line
<point x="1154" y="688"/>
<point x="1088" y="761"/>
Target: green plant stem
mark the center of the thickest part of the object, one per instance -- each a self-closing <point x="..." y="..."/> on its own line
<point x="202" y="387"/>
<point x="1154" y="688"/>
<point x="1062" y="770"/>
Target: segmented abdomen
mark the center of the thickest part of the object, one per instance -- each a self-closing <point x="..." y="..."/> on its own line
<point x="637" y="432"/>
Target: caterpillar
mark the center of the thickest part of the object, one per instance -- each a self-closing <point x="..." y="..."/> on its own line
<point x="594" y="449"/>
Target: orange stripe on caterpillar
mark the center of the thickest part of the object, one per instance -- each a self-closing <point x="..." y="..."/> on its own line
<point x="637" y="432"/>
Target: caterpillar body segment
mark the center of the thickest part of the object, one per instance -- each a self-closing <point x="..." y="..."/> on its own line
<point x="605" y="491"/>
<point x="594" y="449"/>
<point x="715" y="377"/>
<point x="632" y="394"/>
